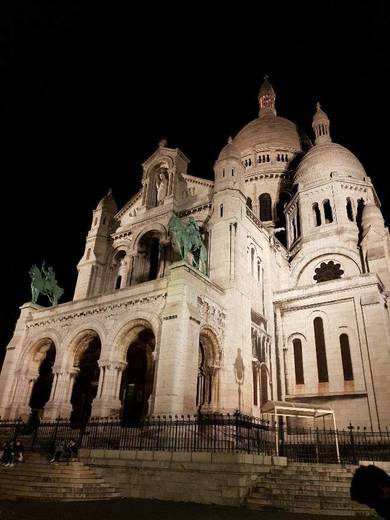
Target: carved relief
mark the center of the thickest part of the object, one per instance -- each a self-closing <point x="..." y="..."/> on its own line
<point x="212" y="315"/>
<point x="108" y="310"/>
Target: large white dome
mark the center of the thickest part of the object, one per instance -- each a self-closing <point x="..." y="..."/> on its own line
<point x="269" y="132"/>
<point x="324" y="159"/>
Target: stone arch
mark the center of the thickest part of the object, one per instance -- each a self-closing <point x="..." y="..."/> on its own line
<point x="351" y="263"/>
<point x="115" y="268"/>
<point x="33" y="383"/>
<point x="127" y="333"/>
<point x="135" y="348"/>
<point x="209" y="363"/>
<point x="296" y="353"/>
<point x="265" y="378"/>
<point x="152" y="253"/>
<point x="34" y="346"/>
<point x="318" y="325"/>
<point x="154" y="226"/>
<point x="90" y="328"/>
<point x="82" y="356"/>
<point x="162" y="166"/>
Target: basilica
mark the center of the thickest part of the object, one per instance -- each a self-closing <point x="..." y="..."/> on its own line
<point x="289" y="305"/>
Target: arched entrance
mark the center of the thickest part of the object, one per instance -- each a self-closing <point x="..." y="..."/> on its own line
<point x="149" y="262"/>
<point x="137" y="379"/>
<point x="86" y="382"/>
<point x="42" y="387"/>
<point x="208" y="365"/>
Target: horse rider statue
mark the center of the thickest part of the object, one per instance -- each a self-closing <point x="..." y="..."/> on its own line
<point x="189" y="242"/>
<point x="43" y="281"/>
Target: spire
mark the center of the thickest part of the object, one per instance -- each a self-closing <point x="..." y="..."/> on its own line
<point x="320" y="126"/>
<point x="267" y="98"/>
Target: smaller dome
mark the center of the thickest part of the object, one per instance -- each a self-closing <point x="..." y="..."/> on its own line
<point x="372" y="216"/>
<point x="322" y="161"/>
<point x="229" y="151"/>
<point x="108" y="203"/>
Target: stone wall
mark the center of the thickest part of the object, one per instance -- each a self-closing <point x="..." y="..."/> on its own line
<point x="211" y="478"/>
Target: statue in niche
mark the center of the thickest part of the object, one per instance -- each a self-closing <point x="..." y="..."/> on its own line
<point x="161" y="187"/>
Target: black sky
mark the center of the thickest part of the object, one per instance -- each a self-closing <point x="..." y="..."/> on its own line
<point x="87" y="90"/>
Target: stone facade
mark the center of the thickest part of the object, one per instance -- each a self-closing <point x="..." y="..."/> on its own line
<point x="294" y="305"/>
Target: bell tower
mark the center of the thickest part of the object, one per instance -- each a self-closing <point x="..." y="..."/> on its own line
<point x="98" y="244"/>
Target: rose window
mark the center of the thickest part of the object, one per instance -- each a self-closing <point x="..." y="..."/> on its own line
<point x="328" y="271"/>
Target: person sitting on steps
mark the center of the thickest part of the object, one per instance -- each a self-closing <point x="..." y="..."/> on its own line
<point x="59" y="452"/>
<point x="72" y="449"/>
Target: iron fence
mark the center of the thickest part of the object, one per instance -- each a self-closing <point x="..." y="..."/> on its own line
<point x="212" y="433"/>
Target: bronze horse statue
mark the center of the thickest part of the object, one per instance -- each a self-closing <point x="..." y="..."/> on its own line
<point x="44" y="282"/>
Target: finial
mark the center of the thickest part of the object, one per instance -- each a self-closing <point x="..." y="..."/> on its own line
<point x="318" y="106"/>
<point x="109" y="191"/>
<point x="266" y="77"/>
<point x="162" y="143"/>
<point x="230" y="139"/>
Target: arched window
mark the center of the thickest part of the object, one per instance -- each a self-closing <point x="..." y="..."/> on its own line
<point x="118" y="282"/>
<point x="284" y="199"/>
<point x="223" y="172"/>
<point x="349" y="209"/>
<point x="232" y="172"/>
<point x="255" y="374"/>
<point x="258" y="270"/>
<point x="359" y="212"/>
<point x="263" y="385"/>
<point x="327" y="212"/>
<point x="96" y="221"/>
<point x="88" y="254"/>
<point x="322" y="365"/>
<point x="201" y="383"/>
<point x="265" y="207"/>
<point x="249" y="203"/>
<point x="298" y="362"/>
<point x="346" y="357"/>
<point x="252" y="260"/>
<point x="298" y="222"/>
<point x="294" y="228"/>
<point x="316" y="214"/>
<point x="221" y="210"/>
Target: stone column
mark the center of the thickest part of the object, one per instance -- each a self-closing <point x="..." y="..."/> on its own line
<point x="20" y="404"/>
<point x="59" y="404"/>
<point x="107" y="402"/>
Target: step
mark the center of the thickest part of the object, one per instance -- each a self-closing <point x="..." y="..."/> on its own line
<point x="47" y="486"/>
<point x="18" y="477"/>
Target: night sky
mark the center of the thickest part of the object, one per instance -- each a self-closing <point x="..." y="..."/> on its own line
<point x="87" y="90"/>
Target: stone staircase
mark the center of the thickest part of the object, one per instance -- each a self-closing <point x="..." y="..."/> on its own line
<point x="36" y="479"/>
<point x="320" y="489"/>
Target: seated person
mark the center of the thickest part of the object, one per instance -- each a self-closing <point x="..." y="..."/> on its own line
<point x="371" y="486"/>
<point x="59" y="452"/>
<point x="19" y="451"/>
<point x="71" y="448"/>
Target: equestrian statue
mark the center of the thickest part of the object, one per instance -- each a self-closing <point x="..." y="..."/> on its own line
<point x="189" y="242"/>
<point x="43" y="281"/>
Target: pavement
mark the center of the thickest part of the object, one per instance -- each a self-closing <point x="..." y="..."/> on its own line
<point x="139" y="509"/>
